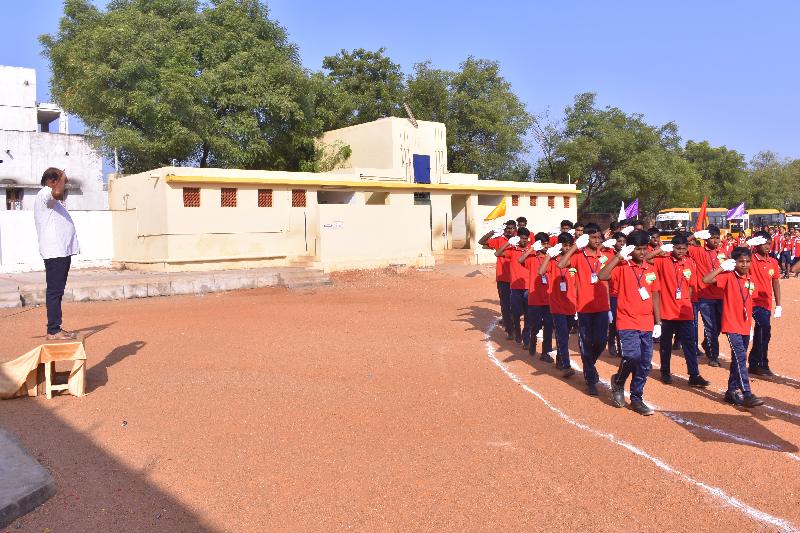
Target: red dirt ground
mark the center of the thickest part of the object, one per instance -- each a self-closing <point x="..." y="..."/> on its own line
<point x="374" y="404"/>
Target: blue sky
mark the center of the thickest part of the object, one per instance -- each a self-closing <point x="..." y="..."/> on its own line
<point x="726" y="72"/>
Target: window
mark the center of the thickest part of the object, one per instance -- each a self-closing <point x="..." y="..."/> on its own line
<point x="566" y="201"/>
<point x="514" y="200"/>
<point x="551" y="201"/>
<point x="298" y="197"/>
<point x="191" y="197"/>
<point x="534" y="200"/>
<point x="228" y="197"/>
<point x="264" y="197"/>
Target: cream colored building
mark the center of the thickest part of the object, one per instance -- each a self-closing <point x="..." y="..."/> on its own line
<point x="393" y="202"/>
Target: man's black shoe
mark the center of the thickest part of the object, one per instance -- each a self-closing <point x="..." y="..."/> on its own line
<point x="546" y="358"/>
<point x="642" y="408"/>
<point x="666" y="379"/>
<point x="734" y="398"/>
<point x="518" y="337"/>
<point x="751" y="400"/>
<point x="698" y="381"/>
<point x="677" y="345"/>
<point x="617" y="392"/>
<point x="567" y="372"/>
<point x="526" y="345"/>
<point x="706" y="349"/>
<point x="765" y="371"/>
<point x="612" y="349"/>
<point x="713" y="362"/>
<point x="760" y="371"/>
<point x="591" y="389"/>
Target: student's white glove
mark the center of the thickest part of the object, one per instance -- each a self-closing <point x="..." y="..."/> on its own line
<point x="656" y="331"/>
<point x="554" y="250"/>
<point x="582" y="241"/>
<point x="756" y="241"/>
<point x="627" y="230"/>
<point x="537" y="246"/>
<point x="513" y="241"/>
<point x="728" y="265"/>
<point x="702" y="234"/>
<point x="610" y="317"/>
<point x="498" y="233"/>
<point x="778" y="311"/>
<point x="667" y="248"/>
<point x="571" y="232"/>
<point x="609" y="243"/>
<point x="626" y="252"/>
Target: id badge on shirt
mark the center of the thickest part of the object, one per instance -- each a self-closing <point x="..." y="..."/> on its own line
<point x="643" y="293"/>
<point x="677" y="294"/>
<point x="562" y="286"/>
<point x="544" y="280"/>
<point x="594" y="278"/>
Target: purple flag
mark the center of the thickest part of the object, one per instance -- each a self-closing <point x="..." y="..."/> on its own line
<point x="632" y="211"/>
<point x="736" y="212"/>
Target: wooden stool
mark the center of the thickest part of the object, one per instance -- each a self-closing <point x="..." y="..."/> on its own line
<point x="23" y="375"/>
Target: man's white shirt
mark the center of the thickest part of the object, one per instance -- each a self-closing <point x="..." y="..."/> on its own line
<point x="54" y="226"/>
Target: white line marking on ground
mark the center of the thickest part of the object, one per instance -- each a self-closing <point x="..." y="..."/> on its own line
<point x="714" y="491"/>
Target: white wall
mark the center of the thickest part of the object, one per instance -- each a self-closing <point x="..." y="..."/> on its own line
<point x="19" y="246"/>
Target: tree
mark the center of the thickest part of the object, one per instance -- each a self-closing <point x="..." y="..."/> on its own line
<point x="428" y="93"/>
<point x="766" y="186"/>
<point x="723" y="172"/>
<point x="212" y="84"/>
<point x="489" y="124"/>
<point x="370" y="85"/>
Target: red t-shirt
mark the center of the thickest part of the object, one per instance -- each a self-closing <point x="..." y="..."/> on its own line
<point x="777" y="243"/>
<point x="674" y="274"/>
<point x="519" y="273"/>
<point x="763" y="270"/>
<point x="632" y="311"/>
<point x="562" y="302"/>
<point x="553" y="240"/>
<point x="537" y="290"/>
<point x="591" y="297"/>
<point x="706" y="261"/>
<point x="737" y="302"/>
<point x="503" y="270"/>
<point x="796" y="251"/>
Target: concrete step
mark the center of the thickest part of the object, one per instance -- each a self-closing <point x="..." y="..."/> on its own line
<point x="454" y="257"/>
<point x="304" y="279"/>
<point x="10" y="299"/>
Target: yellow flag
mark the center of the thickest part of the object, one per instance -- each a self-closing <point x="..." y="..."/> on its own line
<point x="497" y="212"/>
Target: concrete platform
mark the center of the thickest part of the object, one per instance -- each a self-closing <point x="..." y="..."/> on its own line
<point x="84" y="285"/>
<point x="25" y="483"/>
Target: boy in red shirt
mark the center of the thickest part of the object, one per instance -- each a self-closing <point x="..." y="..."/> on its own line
<point x="538" y="316"/>
<point x="677" y="274"/>
<point x="766" y="274"/>
<point x="733" y="279"/>
<point x="655" y="239"/>
<point x="512" y="250"/>
<point x="787" y="247"/>
<point x="592" y="300"/>
<point x="494" y="240"/>
<point x="638" y="318"/>
<point x="562" y="299"/>
<point x="709" y="297"/>
<point x="618" y="239"/>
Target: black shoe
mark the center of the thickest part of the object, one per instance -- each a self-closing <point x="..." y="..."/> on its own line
<point x="518" y="338"/>
<point x="526" y="345"/>
<point x="760" y="371"/>
<point x="509" y="336"/>
<point x="751" y="400"/>
<point x="642" y="408"/>
<point x="734" y="398"/>
<point x="698" y="381"/>
<point x="617" y="392"/>
<point x="567" y="372"/>
<point x="546" y="358"/>
<point x="713" y="362"/>
<point x="591" y="389"/>
<point x="612" y="349"/>
<point x="765" y="371"/>
<point x="677" y="345"/>
<point x="706" y="349"/>
<point x="666" y="379"/>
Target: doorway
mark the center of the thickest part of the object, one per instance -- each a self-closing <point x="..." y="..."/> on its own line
<point x="459" y="229"/>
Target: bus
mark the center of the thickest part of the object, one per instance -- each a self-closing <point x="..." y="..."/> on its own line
<point x="675" y="219"/>
<point x="766" y="217"/>
<point x="793" y="220"/>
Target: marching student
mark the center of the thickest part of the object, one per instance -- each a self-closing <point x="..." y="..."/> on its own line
<point x="638" y="225"/>
<point x="766" y="275"/>
<point x="538" y="316"/>
<point x="565" y="226"/>
<point x="580" y="229"/>
<point x="612" y="247"/>
<point x="777" y="244"/>
<point x="512" y="250"/>
<point x="795" y="252"/>
<point x="494" y="240"/>
<point x="709" y="297"/>
<point x="562" y="299"/>
<point x="592" y="300"/>
<point x="522" y="222"/>
<point x="678" y="276"/>
<point x="732" y="277"/>
<point x="787" y="248"/>
<point x="638" y="318"/>
<point x="655" y="239"/>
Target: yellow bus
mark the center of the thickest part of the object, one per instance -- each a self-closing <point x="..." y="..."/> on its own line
<point x="793" y="220"/>
<point x="766" y="217"/>
<point x="675" y="219"/>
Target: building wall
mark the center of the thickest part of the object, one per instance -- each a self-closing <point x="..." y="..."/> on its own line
<point x="17" y="99"/>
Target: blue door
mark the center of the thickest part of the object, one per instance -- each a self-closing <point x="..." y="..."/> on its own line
<point x="422" y="168"/>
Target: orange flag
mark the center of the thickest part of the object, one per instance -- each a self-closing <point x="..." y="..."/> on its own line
<point x="701" y="218"/>
<point x="497" y="212"/>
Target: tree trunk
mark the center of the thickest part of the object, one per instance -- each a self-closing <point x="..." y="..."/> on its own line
<point x="204" y="157"/>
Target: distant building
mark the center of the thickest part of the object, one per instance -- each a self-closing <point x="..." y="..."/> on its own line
<point x="35" y="136"/>
<point x="393" y="202"/>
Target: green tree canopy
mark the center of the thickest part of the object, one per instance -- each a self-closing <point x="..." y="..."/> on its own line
<point x="723" y="172"/>
<point x="212" y="84"/>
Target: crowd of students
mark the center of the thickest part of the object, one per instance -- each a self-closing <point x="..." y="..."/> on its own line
<point x="622" y="289"/>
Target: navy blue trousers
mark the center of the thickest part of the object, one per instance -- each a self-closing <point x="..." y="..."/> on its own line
<point x="684" y="332"/>
<point x="56" y="272"/>
<point x="762" y="332"/>
<point x="711" y="311"/>
<point x="519" y="307"/>
<point x="637" y="359"/>
<point x="739" y="378"/>
<point x="539" y="317"/>
<point x="504" y="293"/>
<point x="562" y="325"/>
<point x="592" y="338"/>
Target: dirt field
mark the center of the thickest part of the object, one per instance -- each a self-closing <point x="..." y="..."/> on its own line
<point x="387" y="402"/>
